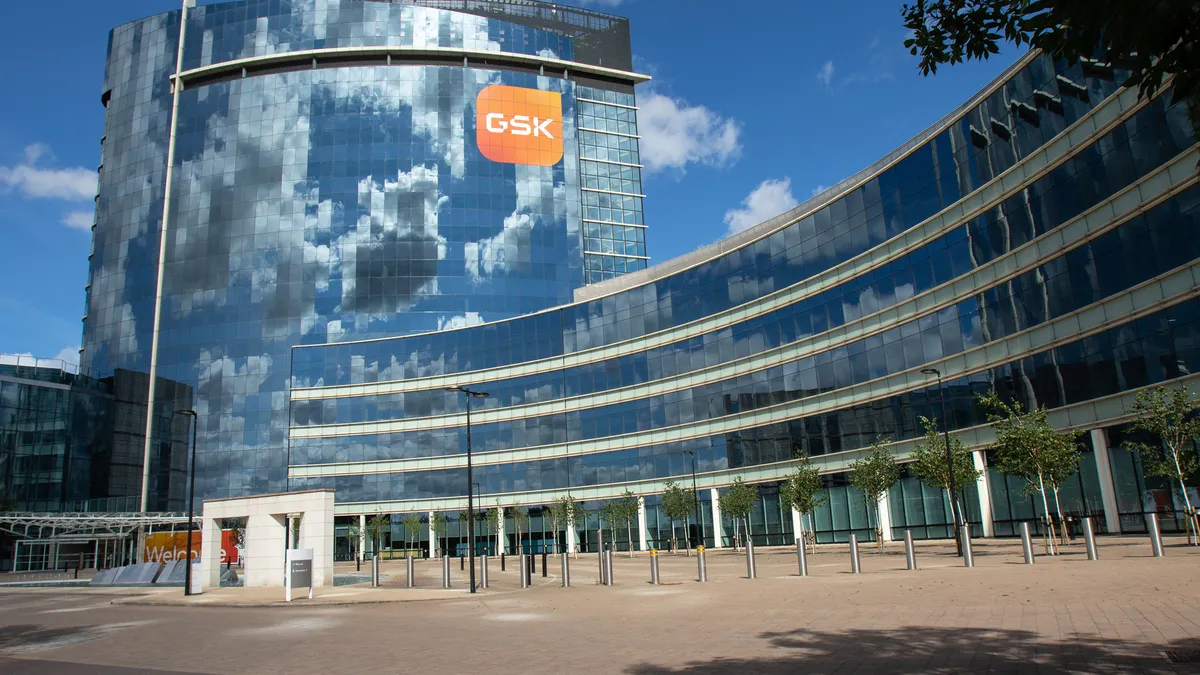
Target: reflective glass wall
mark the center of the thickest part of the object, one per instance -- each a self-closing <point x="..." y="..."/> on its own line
<point x="331" y="199"/>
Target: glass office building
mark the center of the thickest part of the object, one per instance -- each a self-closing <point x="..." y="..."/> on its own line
<point x="286" y="172"/>
<point x="1040" y="241"/>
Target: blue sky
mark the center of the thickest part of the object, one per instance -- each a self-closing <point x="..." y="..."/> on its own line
<point x="752" y="107"/>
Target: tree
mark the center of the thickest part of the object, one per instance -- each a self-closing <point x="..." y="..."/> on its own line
<point x="412" y="525"/>
<point x="554" y="523"/>
<point x="626" y="511"/>
<point x="1028" y="447"/>
<point x="873" y="475"/>
<point x="352" y="535"/>
<point x="929" y="465"/>
<point x="376" y="527"/>
<point x="1170" y="414"/>
<point x="802" y="491"/>
<point x="438" y="522"/>
<point x="678" y="504"/>
<point x="520" y="517"/>
<point x="568" y="512"/>
<point x="738" y="501"/>
<point x="492" y="520"/>
<point x="1154" y="41"/>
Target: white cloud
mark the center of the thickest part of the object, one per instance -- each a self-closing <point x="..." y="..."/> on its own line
<point x="825" y="74"/>
<point x="68" y="354"/>
<point x="78" y="220"/>
<point x="771" y="198"/>
<point x="34" y="181"/>
<point x="675" y="134"/>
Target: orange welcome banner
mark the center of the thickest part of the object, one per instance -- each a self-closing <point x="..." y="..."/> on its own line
<point x="168" y="546"/>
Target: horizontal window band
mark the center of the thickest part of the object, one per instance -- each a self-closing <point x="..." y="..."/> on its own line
<point x="609" y="222"/>
<point x="617" y="255"/>
<point x="970" y="207"/>
<point x="613" y="192"/>
<point x="1085" y="415"/>
<point x="1168" y="289"/>
<point x="1078" y="232"/>
<point x="765" y="229"/>
<point x="615" y="105"/>
<point x="399" y="56"/>
<point x="610" y="133"/>
<point x="609" y="161"/>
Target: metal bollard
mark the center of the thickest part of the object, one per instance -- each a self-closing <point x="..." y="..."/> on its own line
<point x="603" y="570"/>
<point x="412" y="581"/>
<point x="1026" y="543"/>
<point x="462" y="563"/>
<point x="608" y="568"/>
<point x="701" y="565"/>
<point x="1089" y="539"/>
<point x="502" y="561"/>
<point x="374" y="571"/>
<point x="654" y="566"/>
<point x="910" y="554"/>
<point x="445" y="571"/>
<point x="483" y="571"/>
<point x="543" y="565"/>
<point x="750" y="569"/>
<point x="854" y="566"/>
<point x="1156" y="546"/>
<point x="968" y="558"/>
<point x="566" y="570"/>
<point x="802" y="557"/>
<point x="524" y="569"/>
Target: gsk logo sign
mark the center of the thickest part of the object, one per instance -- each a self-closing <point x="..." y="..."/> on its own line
<point x="515" y="125"/>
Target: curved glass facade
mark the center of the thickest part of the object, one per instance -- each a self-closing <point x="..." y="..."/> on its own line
<point x="316" y="172"/>
<point x="1041" y="242"/>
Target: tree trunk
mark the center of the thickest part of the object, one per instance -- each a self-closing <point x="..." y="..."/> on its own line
<point x="1062" y="522"/>
<point x="1193" y="536"/>
<point x="878" y="529"/>
<point x="736" y="534"/>
<point x="1051" y="549"/>
<point x="629" y="533"/>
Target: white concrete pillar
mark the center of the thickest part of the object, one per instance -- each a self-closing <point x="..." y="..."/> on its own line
<point x="985" y="494"/>
<point x="642" y="524"/>
<point x="1108" y="492"/>
<point x="718" y="526"/>
<point x="432" y="538"/>
<point x="501" y="536"/>
<point x="362" y="535"/>
<point x="570" y="536"/>
<point x="885" y="518"/>
<point x="210" y="552"/>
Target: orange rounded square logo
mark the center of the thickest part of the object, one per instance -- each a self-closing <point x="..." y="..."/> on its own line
<point x="515" y="125"/>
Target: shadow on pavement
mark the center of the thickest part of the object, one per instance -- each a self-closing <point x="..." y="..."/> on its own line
<point x="939" y="651"/>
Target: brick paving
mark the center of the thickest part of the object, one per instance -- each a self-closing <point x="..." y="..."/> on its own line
<point x="1062" y="615"/>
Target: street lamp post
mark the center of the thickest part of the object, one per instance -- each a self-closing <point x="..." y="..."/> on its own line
<point x="470" y="496"/>
<point x="954" y="514"/>
<point x="187" y="574"/>
<point x="696" y="495"/>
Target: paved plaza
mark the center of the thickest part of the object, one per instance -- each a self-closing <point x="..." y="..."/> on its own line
<point x="1126" y="613"/>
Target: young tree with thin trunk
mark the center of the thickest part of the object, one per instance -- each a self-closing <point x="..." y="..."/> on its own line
<point x="873" y="475"/>
<point x="1171" y="414"/>
<point x="678" y="504"/>
<point x="610" y="514"/>
<point x="377" y="526"/>
<point x="929" y="463"/>
<point x="412" y="525"/>
<point x="520" y="518"/>
<point x="802" y="492"/>
<point x="627" y="512"/>
<point x="438" y="523"/>
<point x="352" y="535"/>
<point x="1027" y="447"/>
<point x="738" y="501"/>
<point x="568" y="512"/>
<point x="492" y="520"/>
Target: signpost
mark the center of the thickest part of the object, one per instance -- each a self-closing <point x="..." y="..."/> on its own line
<point x="299" y="572"/>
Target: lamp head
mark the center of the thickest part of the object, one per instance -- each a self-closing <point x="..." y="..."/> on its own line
<point x="454" y="389"/>
<point x="479" y="394"/>
<point x="930" y="371"/>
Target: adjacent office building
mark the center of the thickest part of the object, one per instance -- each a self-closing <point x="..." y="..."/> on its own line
<point x="315" y="216"/>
